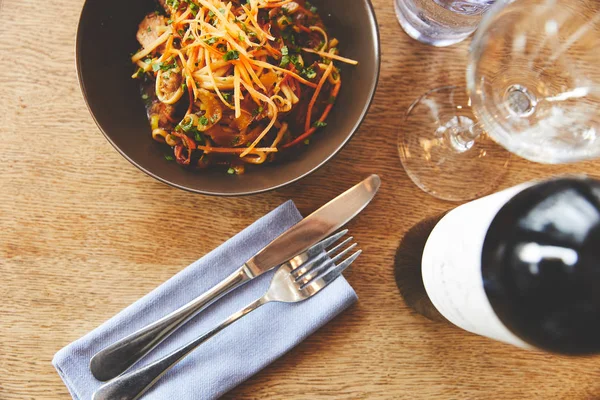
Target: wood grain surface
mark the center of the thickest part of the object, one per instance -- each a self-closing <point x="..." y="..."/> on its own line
<point x="83" y="234"/>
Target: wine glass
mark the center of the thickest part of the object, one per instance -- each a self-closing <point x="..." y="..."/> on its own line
<point x="533" y="86"/>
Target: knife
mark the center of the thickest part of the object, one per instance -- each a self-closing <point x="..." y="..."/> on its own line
<point x="120" y="356"/>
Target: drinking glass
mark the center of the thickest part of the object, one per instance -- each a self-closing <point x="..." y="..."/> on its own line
<point x="533" y="87"/>
<point x="440" y="22"/>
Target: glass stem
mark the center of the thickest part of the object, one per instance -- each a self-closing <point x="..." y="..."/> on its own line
<point x="463" y="136"/>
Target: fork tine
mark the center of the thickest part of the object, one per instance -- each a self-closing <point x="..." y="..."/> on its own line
<point x="330" y="275"/>
<point x="309" y="265"/>
<point x="318" y="268"/>
<point x="339" y="246"/>
<point x="322" y="245"/>
<point x="313" y="256"/>
<point x="343" y="253"/>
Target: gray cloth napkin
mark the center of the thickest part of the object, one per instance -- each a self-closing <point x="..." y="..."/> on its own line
<point x="236" y="353"/>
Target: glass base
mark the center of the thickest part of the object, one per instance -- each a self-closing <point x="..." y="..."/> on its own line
<point x="426" y="30"/>
<point x="445" y="152"/>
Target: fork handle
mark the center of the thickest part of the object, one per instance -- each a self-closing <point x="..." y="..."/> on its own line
<point x="120" y="356"/>
<point x="133" y="385"/>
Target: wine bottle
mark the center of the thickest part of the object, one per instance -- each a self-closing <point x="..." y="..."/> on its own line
<point x="520" y="266"/>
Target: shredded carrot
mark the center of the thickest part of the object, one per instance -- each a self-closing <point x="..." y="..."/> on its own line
<point x="285" y="71"/>
<point x="311" y="105"/>
<point x="248" y="67"/>
<point x="143" y="53"/>
<point x="331" y="56"/>
<point x="275" y="5"/>
<point x="212" y="78"/>
<point x="237" y="91"/>
<point x="308" y="133"/>
<point x="227" y="56"/>
<point x="236" y="150"/>
<point x="267" y="100"/>
<point x="304" y="28"/>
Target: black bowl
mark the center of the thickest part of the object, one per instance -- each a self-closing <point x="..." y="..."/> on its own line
<point x="105" y="40"/>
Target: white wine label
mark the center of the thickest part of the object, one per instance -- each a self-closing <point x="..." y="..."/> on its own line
<point x="451" y="267"/>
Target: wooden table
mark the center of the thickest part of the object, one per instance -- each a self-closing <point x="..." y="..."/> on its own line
<point x="83" y="234"/>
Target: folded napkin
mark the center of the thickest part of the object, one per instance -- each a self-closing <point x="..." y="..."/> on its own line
<point x="236" y="353"/>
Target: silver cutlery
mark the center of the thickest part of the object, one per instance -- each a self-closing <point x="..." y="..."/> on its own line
<point x="290" y="284"/>
<point x="122" y="355"/>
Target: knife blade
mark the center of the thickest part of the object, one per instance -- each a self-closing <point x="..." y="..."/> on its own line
<point x="316" y="227"/>
<point x="117" y="358"/>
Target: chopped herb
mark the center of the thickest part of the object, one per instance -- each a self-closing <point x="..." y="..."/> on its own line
<point x="149" y="29"/>
<point x="309" y="73"/>
<point x="311" y="8"/>
<point x="285" y="60"/>
<point x="203" y="120"/>
<point x="214" y="119"/>
<point x="211" y="14"/>
<point x="161" y="66"/>
<point x="198" y="137"/>
<point x="288" y="36"/>
<point x="145" y="96"/>
<point x="187" y="126"/>
<point x="319" y="124"/>
<point x="211" y="41"/>
<point x="232" y="55"/>
<point x="231" y="171"/>
<point x="169" y="157"/>
<point x="236" y="140"/>
<point x="246" y="30"/>
<point x="241" y="37"/>
<point x="307" y="142"/>
<point x="226" y="96"/>
<point x="285" y="51"/>
<point x="138" y="73"/>
<point x="173" y="3"/>
<point x="257" y="111"/>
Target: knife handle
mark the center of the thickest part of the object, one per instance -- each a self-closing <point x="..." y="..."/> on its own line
<point x="122" y="355"/>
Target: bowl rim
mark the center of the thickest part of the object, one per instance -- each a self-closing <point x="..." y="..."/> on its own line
<point x="374" y="25"/>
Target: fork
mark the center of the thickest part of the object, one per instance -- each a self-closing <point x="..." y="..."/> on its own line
<point x="295" y="281"/>
<point x="117" y="358"/>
